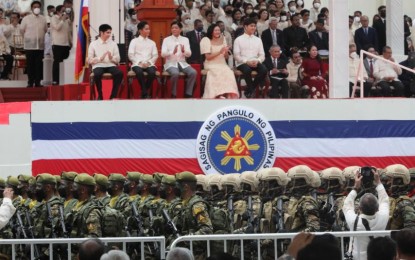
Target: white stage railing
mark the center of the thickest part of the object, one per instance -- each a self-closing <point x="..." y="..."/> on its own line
<point x="361" y="68"/>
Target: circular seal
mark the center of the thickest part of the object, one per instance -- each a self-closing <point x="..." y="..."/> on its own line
<point x="235" y="139"/>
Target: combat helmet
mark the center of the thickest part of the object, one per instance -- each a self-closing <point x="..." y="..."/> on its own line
<point x="303" y="179"/>
<point x="349" y="174"/>
<point x="231" y="182"/>
<point x="399" y="179"/>
<point x="249" y="181"/>
<point x="332" y="180"/>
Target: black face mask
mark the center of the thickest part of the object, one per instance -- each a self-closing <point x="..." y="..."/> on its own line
<point x="127" y="188"/>
<point x="40" y="195"/>
<point x="228" y="12"/>
<point x="153" y="190"/>
<point x="18" y="191"/>
<point x="163" y="194"/>
<point x="177" y="192"/>
<point x="111" y="191"/>
<point x="62" y="191"/>
<point x="75" y="194"/>
<point x="215" y="5"/>
<point x="1" y="192"/>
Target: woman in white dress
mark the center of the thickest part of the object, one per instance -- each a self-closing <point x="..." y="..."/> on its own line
<point x="220" y="79"/>
<point x="263" y="22"/>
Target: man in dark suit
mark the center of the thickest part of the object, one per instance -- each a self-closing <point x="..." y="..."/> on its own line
<point x="380" y="27"/>
<point x="271" y="36"/>
<point x="194" y="39"/>
<point x="365" y="35"/>
<point x="319" y="37"/>
<point x="276" y="64"/>
<point x="295" y="36"/>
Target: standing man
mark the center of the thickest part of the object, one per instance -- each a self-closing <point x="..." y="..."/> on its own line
<point x="175" y="49"/>
<point x="249" y="55"/>
<point x="61" y="31"/>
<point x="104" y="56"/>
<point x="271" y="36"/>
<point x="365" y="35"/>
<point x="194" y="37"/>
<point x="295" y="37"/>
<point x="143" y="55"/>
<point x="277" y="67"/>
<point x="34" y="27"/>
<point x="6" y="209"/>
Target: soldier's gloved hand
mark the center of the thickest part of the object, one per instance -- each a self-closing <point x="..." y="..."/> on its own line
<point x="245" y="216"/>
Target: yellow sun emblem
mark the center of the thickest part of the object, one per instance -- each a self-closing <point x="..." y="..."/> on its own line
<point x="237" y="148"/>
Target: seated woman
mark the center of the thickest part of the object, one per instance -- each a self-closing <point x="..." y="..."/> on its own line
<point x="312" y="74"/>
<point x="220" y="79"/>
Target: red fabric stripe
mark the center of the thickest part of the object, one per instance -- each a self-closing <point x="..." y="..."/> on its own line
<point x="172" y="166"/>
<point x="13" y="108"/>
<point x="4" y="119"/>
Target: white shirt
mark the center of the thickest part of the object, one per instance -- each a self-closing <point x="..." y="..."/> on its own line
<point x="142" y="50"/>
<point x="23" y="6"/>
<point x="293" y="71"/>
<point x="354" y="61"/>
<point x="34" y="28"/>
<point x="382" y="69"/>
<point x="15" y="38"/>
<point x="7" y="210"/>
<point x="376" y="222"/>
<point x="167" y="49"/>
<point x="97" y="49"/>
<point x="8" y="5"/>
<point x="314" y="14"/>
<point x="131" y="26"/>
<point x="61" y="31"/>
<point x="248" y="47"/>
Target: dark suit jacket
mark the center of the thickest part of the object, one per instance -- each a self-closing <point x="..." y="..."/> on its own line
<point x="320" y="43"/>
<point x="295" y="37"/>
<point x="281" y="64"/>
<point x="266" y="38"/>
<point x="361" y="39"/>
<point x="194" y="47"/>
<point x="380" y="28"/>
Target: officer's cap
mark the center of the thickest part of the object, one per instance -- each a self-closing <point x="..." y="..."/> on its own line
<point x="101" y="179"/>
<point x="147" y="178"/>
<point x="68" y="176"/>
<point x="45" y="178"/>
<point x="25" y="177"/>
<point x="185" y="176"/>
<point x="2" y="182"/>
<point x="116" y="177"/>
<point x="12" y="181"/>
<point x="158" y="176"/>
<point x="168" y="180"/>
<point x="134" y="176"/>
<point x="85" y="179"/>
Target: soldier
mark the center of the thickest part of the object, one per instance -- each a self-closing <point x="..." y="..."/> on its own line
<point x="216" y="193"/>
<point x="411" y="192"/>
<point x="85" y="218"/>
<point x="195" y="219"/>
<point x="64" y="189"/>
<point x="249" y="188"/>
<point x="100" y="191"/>
<point x="332" y="181"/>
<point x="131" y="184"/>
<point x="58" y="183"/>
<point x="202" y="186"/>
<point x="231" y="185"/>
<point x="156" y="205"/>
<point x="402" y="211"/>
<point x="303" y="211"/>
<point x="23" y="188"/>
<point x="119" y="200"/>
<point x="146" y="180"/>
<point x="32" y="194"/>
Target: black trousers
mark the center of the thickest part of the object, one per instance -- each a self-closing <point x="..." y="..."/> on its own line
<point x="386" y="88"/>
<point x="145" y="82"/>
<point x="117" y="76"/>
<point x="34" y="67"/>
<point x="8" y="66"/>
<point x="60" y="53"/>
<point x="259" y="79"/>
<point x="366" y="88"/>
<point x="279" y="87"/>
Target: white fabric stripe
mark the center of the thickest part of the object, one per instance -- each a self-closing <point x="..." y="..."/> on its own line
<point x="186" y="148"/>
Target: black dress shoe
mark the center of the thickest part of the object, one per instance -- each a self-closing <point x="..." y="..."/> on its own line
<point x="248" y="94"/>
<point x="187" y="96"/>
<point x="99" y="98"/>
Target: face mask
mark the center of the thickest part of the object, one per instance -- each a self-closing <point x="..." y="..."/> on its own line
<point x="283" y="18"/>
<point x="316" y="5"/>
<point x="111" y="190"/>
<point x="153" y="190"/>
<point x="263" y="8"/>
<point x="293" y="8"/>
<point x="163" y="194"/>
<point x="131" y="5"/>
<point x="51" y="14"/>
<point x="127" y="188"/>
<point x="300" y="3"/>
<point x="278" y="19"/>
<point x="357" y="19"/>
<point x="62" y="191"/>
<point x="75" y="194"/>
<point x="18" y="191"/>
<point x="187" y="21"/>
<point x="68" y="10"/>
<point x="229" y="12"/>
<point x="36" y="11"/>
<point x="199" y="29"/>
<point x="40" y="195"/>
<point x="216" y="5"/>
<point x="248" y="11"/>
<point x="134" y="17"/>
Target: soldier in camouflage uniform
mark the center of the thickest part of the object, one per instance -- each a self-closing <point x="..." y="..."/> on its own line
<point x="411" y="192"/>
<point x="119" y="200"/>
<point x="23" y="189"/>
<point x="249" y="189"/>
<point x="194" y="216"/>
<point x="65" y="187"/>
<point x="332" y="182"/>
<point x="85" y="218"/>
<point x="231" y="185"/>
<point x="130" y="186"/>
<point x="202" y="186"/>
<point x="303" y="211"/>
<point x="402" y="211"/>
<point x="146" y="181"/>
<point x="100" y="192"/>
<point x="157" y="204"/>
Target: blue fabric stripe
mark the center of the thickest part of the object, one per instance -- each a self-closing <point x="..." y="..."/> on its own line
<point x="190" y="130"/>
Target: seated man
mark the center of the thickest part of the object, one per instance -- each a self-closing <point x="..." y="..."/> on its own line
<point x="407" y="77"/>
<point x="277" y="67"/>
<point x="354" y="61"/>
<point x="249" y="55"/>
<point x="8" y="58"/>
<point x="104" y="56"/>
<point x="387" y="74"/>
<point x="143" y="55"/>
<point x="293" y="66"/>
<point x="175" y="49"/>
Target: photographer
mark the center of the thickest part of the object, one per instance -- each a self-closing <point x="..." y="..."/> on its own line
<point x="6" y="209"/>
<point x="374" y="212"/>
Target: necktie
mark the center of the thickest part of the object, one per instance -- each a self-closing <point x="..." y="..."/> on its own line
<point x="274" y="37"/>
<point x="371" y="68"/>
<point x="366" y="31"/>
<point x="198" y="36"/>
<point x="275" y="63"/>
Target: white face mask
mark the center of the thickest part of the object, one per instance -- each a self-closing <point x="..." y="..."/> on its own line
<point x="187" y="21"/>
<point x="357" y="19"/>
<point x="300" y="3"/>
<point x="134" y="17"/>
<point x="36" y="11"/>
<point x="293" y="8"/>
<point x="68" y="10"/>
<point x="278" y="18"/>
<point x="248" y="11"/>
<point x="131" y="5"/>
<point x="51" y="14"/>
<point x="317" y="5"/>
<point x="283" y="18"/>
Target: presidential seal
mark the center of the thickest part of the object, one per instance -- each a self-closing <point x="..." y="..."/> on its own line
<point x="235" y="139"/>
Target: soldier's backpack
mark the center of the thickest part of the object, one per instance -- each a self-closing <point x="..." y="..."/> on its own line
<point x="218" y="217"/>
<point x="112" y="221"/>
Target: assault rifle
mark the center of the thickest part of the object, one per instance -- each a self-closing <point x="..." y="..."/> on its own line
<point x="280" y="215"/>
<point x="50" y="219"/>
<point x="65" y="233"/>
<point x="31" y="234"/>
<point x="231" y="212"/>
<point x="155" y="244"/>
<point x="170" y="223"/>
<point x="137" y="219"/>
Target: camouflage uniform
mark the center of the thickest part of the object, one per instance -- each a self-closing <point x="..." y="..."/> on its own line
<point x="102" y="181"/>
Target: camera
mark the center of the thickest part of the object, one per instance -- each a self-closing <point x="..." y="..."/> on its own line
<point x="367" y="176"/>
